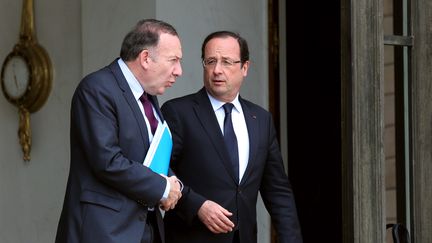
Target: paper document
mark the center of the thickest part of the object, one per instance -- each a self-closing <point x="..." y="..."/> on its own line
<point x="159" y="154"/>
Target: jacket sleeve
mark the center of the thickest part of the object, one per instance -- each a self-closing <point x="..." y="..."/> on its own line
<point x="277" y="193"/>
<point x="190" y="202"/>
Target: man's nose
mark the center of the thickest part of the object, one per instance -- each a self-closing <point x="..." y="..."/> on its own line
<point x="178" y="70"/>
<point x="217" y="67"/>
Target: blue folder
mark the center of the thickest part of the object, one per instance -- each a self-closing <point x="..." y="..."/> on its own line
<point x="159" y="154"/>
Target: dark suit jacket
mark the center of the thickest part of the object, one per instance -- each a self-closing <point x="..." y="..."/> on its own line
<point x="201" y="161"/>
<point x="108" y="190"/>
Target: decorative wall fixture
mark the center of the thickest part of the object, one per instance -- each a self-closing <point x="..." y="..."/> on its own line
<point x="26" y="76"/>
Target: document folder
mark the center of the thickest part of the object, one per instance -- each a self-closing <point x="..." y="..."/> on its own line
<point x="159" y="154"/>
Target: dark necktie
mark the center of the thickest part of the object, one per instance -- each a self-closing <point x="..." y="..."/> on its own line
<point x="148" y="110"/>
<point x="230" y="138"/>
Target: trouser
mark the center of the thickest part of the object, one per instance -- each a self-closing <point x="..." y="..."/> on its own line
<point x="236" y="238"/>
<point x="151" y="232"/>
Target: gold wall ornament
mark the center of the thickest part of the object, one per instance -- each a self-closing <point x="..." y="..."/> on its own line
<point x="26" y="76"/>
<point x="24" y="132"/>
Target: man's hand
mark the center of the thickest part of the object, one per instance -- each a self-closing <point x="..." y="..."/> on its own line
<point x="174" y="194"/>
<point x="215" y="217"/>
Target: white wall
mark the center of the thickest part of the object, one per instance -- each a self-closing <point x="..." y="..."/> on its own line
<point x="31" y="193"/>
<point x="104" y="24"/>
<point x="80" y="37"/>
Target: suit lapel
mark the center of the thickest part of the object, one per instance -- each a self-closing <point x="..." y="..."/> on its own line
<point x="205" y="114"/>
<point x="251" y="119"/>
<point x="127" y="94"/>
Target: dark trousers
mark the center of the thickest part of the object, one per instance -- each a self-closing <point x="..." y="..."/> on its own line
<point x="236" y="238"/>
<point x="151" y="232"/>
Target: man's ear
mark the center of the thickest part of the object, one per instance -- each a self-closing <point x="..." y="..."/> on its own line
<point x="245" y="68"/>
<point x="144" y="58"/>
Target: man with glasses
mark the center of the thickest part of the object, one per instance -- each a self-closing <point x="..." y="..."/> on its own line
<point x="225" y="152"/>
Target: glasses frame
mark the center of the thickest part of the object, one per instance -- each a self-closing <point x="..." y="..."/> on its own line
<point x="224" y="62"/>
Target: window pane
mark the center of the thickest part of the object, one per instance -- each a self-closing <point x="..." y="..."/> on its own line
<point x="388" y="17"/>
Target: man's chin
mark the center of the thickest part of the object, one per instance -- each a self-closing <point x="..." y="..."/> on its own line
<point x="161" y="91"/>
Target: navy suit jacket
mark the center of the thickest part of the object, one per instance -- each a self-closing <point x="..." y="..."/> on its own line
<point x="108" y="190"/>
<point x="200" y="159"/>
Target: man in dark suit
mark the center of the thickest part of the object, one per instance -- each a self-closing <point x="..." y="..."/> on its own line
<point x="225" y="152"/>
<point x="111" y="197"/>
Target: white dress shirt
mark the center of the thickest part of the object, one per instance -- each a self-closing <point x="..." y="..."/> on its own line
<point x="240" y="129"/>
<point x="137" y="91"/>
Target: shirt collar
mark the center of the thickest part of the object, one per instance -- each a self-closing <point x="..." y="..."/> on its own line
<point x="133" y="83"/>
<point x="217" y="104"/>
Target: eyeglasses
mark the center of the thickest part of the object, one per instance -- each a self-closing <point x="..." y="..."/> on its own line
<point x="225" y="62"/>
